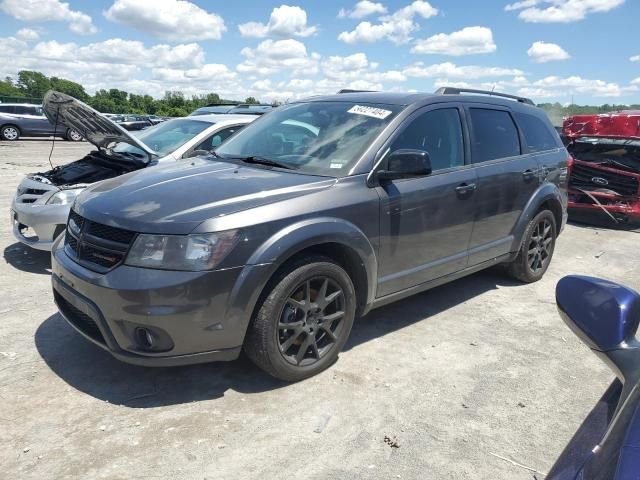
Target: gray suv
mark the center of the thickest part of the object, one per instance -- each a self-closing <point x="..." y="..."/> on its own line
<point x="312" y="215"/>
<point x="23" y="119"/>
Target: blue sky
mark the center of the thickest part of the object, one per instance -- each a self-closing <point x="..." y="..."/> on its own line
<point x="551" y="50"/>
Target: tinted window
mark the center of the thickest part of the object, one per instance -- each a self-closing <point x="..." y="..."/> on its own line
<point x="437" y="132"/>
<point x="494" y="135"/>
<point x="7" y="109"/>
<point x="216" y="140"/>
<point x="20" y="110"/>
<point x="537" y="134"/>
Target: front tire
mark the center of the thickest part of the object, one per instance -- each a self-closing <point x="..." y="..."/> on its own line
<point x="10" y="133"/>
<point x="536" y="250"/>
<point x="304" y="321"/>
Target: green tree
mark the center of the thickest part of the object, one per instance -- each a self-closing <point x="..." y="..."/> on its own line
<point x="8" y="89"/>
<point x="70" y="88"/>
<point x="251" y="100"/>
<point x="33" y="84"/>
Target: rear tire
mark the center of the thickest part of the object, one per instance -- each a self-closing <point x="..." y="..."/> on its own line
<point x="73" y="136"/>
<point x="9" y="133"/>
<point x="537" y="249"/>
<point x="303" y="321"/>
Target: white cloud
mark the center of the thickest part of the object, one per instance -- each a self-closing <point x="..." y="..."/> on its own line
<point x="363" y="9"/>
<point x="560" y="11"/>
<point x="285" y="21"/>
<point x="468" y="41"/>
<point x="271" y="57"/>
<point x="27" y="34"/>
<point x="542" y="52"/>
<point x="49" y="11"/>
<point x="451" y="70"/>
<point x="576" y="84"/>
<point x="635" y="58"/>
<point x="120" y="51"/>
<point x="172" y="20"/>
<point x="397" y="27"/>
<point x="635" y="81"/>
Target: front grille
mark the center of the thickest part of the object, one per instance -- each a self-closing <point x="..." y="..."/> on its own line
<point x="80" y="320"/>
<point x="94" y="245"/>
<point x="582" y="177"/>
<point x="34" y="191"/>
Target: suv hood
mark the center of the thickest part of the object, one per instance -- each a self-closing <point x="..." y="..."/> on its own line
<point x="91" y="124"/>
<point x="176" y="198"/>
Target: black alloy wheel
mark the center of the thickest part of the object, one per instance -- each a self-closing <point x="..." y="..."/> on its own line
<point x="303" y="319"/>
<point x="540" y="243"/>
<point x="311" y="321"/>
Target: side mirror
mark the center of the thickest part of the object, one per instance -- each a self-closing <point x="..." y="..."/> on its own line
<point x="603" y="314"/>
<point x="197" y="153"/>
<point x="406" y="163"/>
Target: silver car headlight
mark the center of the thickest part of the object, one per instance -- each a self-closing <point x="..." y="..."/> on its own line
<point x="181" y="252"/>
<point x="64" y="197"/>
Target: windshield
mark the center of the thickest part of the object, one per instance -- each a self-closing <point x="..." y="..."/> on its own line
<point x="165" y="137"/>
<point x="324" y="138"/>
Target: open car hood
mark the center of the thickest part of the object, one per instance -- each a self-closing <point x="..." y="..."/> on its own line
<point x="91" y="124"/>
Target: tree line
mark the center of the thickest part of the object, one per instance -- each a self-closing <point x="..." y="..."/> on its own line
<point x="31" y="84"/>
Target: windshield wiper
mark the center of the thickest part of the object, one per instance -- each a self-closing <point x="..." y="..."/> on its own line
<point x="263" y="161"/>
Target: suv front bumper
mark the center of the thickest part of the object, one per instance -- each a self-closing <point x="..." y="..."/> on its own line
<point x="186" y="308"/>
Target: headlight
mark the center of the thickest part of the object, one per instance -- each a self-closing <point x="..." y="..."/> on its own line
<point x="181" y="252"/>
<point x="64" y="197"/>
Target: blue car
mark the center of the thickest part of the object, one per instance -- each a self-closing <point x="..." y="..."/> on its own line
<point x="605" y="316"/>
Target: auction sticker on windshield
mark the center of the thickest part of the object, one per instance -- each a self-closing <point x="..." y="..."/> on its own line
<point x="379" y="113"/>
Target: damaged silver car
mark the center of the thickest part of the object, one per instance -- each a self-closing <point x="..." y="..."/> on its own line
<point x="41" y="205"/>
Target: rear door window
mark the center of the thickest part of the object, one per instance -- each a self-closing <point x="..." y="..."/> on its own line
<point x="495" y="135"/>
<point x="7" y="109"/>
<point x="537" y="134"/>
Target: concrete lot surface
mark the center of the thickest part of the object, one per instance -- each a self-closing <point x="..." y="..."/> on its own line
<point x="432" y="387"/>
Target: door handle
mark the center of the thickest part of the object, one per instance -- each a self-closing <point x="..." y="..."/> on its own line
<point x="465" y="188"/>
<point x="528" y="174"/>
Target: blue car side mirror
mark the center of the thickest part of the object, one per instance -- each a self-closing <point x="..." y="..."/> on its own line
<point x="603" y="314"/>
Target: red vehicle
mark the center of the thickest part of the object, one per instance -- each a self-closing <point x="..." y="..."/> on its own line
<point x="604" y="176"/>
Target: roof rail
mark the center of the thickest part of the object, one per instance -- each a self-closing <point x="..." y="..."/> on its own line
<point x="348" y="90"/>
<point x="457" y="91"/>
<point x="221" y="105"/>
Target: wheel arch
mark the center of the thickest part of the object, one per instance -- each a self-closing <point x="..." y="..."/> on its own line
<point x="334" y="238"/>
<point x="547" y="197"/>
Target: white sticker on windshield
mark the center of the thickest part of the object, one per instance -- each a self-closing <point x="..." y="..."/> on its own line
<point x="335" y="165"/>
<point x="379" y="113"/>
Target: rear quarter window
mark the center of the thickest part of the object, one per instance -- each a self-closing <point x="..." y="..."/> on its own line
<point x="7" y="109"/>
<point x="538" y="135"/>
<point x="495" y="135"/>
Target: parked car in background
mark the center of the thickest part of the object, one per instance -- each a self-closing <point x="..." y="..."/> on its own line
<point x="132" y="122"/>
<point x="28" y="120"/>
<point x="605" y="316"/>
<point x="155" y="119"/>
<point x="41" y="205"/>
<point x="604" y="178"/>
<point x="213" y="108"/>
<point x="251" y="109"/>
<point x="319" y="211"/>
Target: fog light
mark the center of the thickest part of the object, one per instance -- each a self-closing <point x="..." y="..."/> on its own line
<point x="145" y="338"/>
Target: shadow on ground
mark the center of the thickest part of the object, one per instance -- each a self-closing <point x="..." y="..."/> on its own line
<point x="27" y="259"/>
<point x="94" y="372"/>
